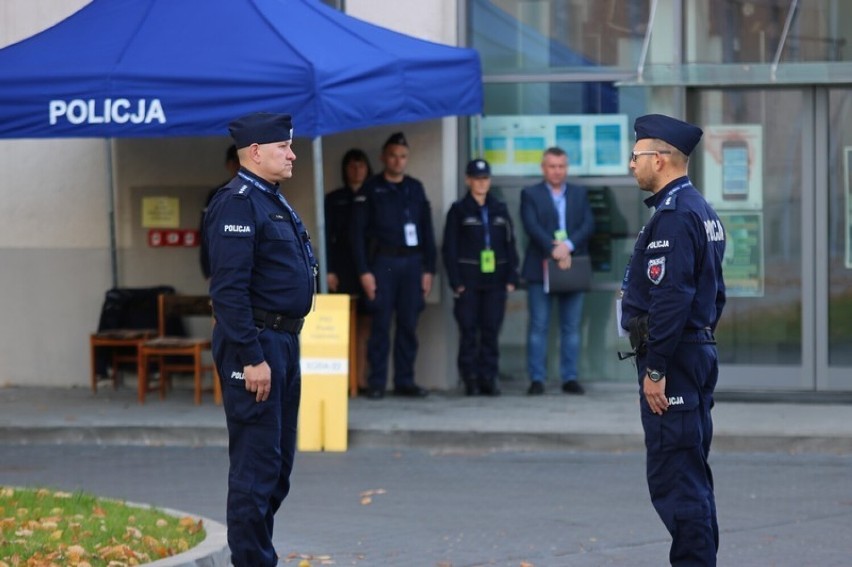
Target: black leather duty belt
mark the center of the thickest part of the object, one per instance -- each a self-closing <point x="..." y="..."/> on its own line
<point x="277" y="322"/>
<point x="397" y="251"/>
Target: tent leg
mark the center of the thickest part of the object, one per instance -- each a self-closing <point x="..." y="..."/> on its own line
<point x="319" y="206"/>
<point x="113" y="252"/>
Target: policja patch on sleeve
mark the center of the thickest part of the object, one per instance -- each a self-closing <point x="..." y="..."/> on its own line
<point x="236" y="229"/>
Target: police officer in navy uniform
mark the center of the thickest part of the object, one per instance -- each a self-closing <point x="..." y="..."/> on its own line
<point x="263" y="280"/>
<point x="672" y="298"/>
<point x="393" y="243"/>
<point x="482" y="266"/>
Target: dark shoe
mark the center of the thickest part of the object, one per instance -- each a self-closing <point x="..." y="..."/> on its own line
<point x="375" y="394"/>
<point x="489" y="387"/>
<point x="411" y="391"/>
<point x="573" y="387"/>
<point x="471" y="388"/>
<point x="536" y="388"/>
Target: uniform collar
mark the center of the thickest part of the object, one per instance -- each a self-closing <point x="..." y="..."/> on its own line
<point x="263" y="183"/>
<point x="658" y="198"/>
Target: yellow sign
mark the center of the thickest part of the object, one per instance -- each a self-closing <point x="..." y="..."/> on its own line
<point x="324" y="344"/>
<point x="160" y="212"/>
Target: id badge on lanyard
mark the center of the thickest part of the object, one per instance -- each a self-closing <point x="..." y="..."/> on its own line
<point x="410" y="234"/>
<point x="487" y="263"/>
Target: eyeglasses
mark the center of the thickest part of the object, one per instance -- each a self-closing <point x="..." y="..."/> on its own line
<point x="634" y="156"/>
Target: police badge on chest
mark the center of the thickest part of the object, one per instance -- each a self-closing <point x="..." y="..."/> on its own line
<point x="656" y="270"/>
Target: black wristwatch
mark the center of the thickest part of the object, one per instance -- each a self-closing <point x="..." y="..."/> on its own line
<point x="654" y="375"/>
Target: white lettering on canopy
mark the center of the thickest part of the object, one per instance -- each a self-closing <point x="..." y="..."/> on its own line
<point x="121" y="111"/>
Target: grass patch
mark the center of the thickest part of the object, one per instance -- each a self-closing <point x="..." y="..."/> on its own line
<point x="47" y="528"/>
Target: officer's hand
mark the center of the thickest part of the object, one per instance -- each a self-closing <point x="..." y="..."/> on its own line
<point x="510" y="287"/>
<point x="426" y="284"/>
<point x="458" y="291"/>
<point x="655" y="395"/>
<point x="258" y="379"/>
<point x="565" y="263"/>
<point x="332" y="281"/>
<point x="368" y="282"/>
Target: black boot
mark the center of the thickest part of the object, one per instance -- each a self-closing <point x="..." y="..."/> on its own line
<point x="471" y="387"/>
<point x="489" y="387"/>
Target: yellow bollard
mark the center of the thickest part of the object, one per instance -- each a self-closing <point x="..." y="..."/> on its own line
<point x="324" y="344"/>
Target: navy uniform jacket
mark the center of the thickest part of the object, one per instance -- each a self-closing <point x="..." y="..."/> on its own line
<point x="464" y="240"/>
<point x="338" y="225"/>
<point x="675" y="273"/>
<point x="541" y="221"/>
<point x="382" y="210"/>
<point x="260" y="258"/>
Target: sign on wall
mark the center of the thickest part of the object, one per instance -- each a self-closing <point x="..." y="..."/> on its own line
<point x="595" y="144"/>
<point x="160" y="212"/>
<point x="733" y="166"/>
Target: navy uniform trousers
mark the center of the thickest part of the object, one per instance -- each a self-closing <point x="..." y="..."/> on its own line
<point x="399" y="289"/>
<point x="259" y="478"/>
<point x="678" y="444"/>
<point x="479" y="313"/>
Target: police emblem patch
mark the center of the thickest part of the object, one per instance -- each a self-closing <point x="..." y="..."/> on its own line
<point x="656" y="270"/>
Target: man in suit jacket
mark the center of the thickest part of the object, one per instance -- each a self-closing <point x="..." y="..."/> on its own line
<point x="558" y="220"/>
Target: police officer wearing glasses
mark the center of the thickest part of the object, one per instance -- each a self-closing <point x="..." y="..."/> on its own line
<point x="262" y="285"/>
<point x="672" y="298"/>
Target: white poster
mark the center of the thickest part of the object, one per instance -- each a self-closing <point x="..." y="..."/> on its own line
<point x="733" y="166"/>
<point x="595" y="144"/>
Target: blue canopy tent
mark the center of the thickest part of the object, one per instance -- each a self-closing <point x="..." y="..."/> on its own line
<point x="154" y="68"/>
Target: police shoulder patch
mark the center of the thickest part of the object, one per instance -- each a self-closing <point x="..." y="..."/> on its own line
<point x="656" y="270"/>
<point x="236" y="229"/>
<point x="662" y="245"/>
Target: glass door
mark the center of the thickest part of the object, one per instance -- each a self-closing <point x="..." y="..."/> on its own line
<point x="834" y="236"/>
<point x="756" y="167"/>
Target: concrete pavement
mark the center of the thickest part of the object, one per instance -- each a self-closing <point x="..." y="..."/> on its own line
<point x="606" y="418"/>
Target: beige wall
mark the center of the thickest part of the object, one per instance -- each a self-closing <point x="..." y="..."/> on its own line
<point x="54" y="238"/>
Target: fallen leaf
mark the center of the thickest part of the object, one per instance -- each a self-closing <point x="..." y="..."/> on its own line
<point x="161" y="523"/>
<point x="135" y="533"/>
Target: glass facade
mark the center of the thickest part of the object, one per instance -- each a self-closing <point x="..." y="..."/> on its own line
<point x="768" y="81"/>
<point x="751" y="31"/>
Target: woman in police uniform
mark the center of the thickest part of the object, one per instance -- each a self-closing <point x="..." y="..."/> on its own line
<point x="482" y="266"/>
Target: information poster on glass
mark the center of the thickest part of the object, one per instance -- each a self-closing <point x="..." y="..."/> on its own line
<point x="847" y="170"/>
<point x="733" y="166"/>
<point x="595" y="144"/>
<point x="743" y="265"/>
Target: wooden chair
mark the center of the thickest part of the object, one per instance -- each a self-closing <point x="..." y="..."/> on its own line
<point x="124" y="347"/>
<point x="165" y="349"/>
<point x="128" y="318"/>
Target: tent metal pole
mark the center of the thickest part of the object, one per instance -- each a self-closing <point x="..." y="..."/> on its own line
<point x="113" y="253"/>
<point x="319" y="207"/>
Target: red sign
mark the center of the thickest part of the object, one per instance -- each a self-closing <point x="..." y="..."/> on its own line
<point x="159" y="237"/>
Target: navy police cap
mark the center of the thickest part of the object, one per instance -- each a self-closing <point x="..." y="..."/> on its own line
<point x="682" y="135"/>
<point x="478" y="168"/>
<point x="396" y="139"/>
<point x="261" y="128"/>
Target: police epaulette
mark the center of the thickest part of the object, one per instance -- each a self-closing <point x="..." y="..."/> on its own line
<point x="668" y="204"/>
<point x="238" y="188"/>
